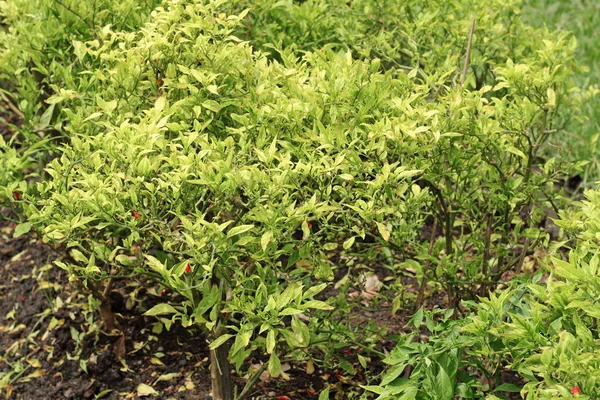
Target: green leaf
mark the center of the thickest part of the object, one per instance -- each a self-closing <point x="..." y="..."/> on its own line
<point x="349" y="242"/>
<point x="373" y="388"/>
<point x="79" y="256"/>
<point x="317" y="305"/>
<point x="161" y="309"/>
<point x="551" y="97"/>
<point x="265" y="240"/>
<point x="417" y="319"/>
<point x="346" y="366"/>
<point x="270" y="342"/>
<point x="409" y="173"/>
<point x="393" y="373"/>
<point x="83" y="365"/>
<point x="211" y="105"/>
<point x="383" y="231"/>
<point x="314" y="290"/>
<point x="220" y="340"/>
<point x="441" y="385"/>
<point x="508" y="387"/>
<point x="290" y="311"/>
<point x="103" y="393"/>
<point x="241" y="340"/>
<point x="160" y="103"/>
<point x="22" y="229"/>
<point x="324" y="395"/>
<point x="155" y="264"/>
<point x="300" y="331"/>
<point x="567" y="270"/>
<point x="46" y="117"/>
<point x="362" y="360"/>
<point x="274" y="365"/>
<point x="236" y="230"/>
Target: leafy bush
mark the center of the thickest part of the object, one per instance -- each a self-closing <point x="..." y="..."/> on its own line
<point x="582" y="18"/>
<point x="227" y="180"/>
<point x="545" y="330"/>
<point x="404" y="35"/>
<point x="486" y="186"/>
<point x="238" y="178"/>
<point x="40" y="53"/>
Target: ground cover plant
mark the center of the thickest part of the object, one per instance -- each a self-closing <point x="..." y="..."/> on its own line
<point x="278" y="170"/>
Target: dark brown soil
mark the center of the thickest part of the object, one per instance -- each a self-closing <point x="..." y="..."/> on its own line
<point x="49" y="333"/>
<point x="37" y="338"/>
<point x="52" y="347"/>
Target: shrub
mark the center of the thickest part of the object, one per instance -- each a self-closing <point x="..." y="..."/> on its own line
<point x="544" y="330"/>
<point x="40" y="52"/>
<point x="483" y="181"/>
<point x="238" y="178"/>
<point x="229" y="182"/>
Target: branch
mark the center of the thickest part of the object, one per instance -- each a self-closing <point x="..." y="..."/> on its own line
<point x="75" y="13"/>
<point x="468" y="55"/>
<point x="12" y="106"/>
<point x="421" y="293"/>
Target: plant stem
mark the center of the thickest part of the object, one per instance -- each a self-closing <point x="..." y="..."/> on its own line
<point x="220" y="376"/>
<point x="468" y="55"/>
<point x="486" y="253"/>
<point x="105" y="308"/>
<point x="421" y="293"/>
<point x="12" y="106"/>
<point x="252" y="381"/>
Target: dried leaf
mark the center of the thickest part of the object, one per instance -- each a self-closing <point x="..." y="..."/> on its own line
<point x="145" y="390"/>
<point x="119" y="348"/>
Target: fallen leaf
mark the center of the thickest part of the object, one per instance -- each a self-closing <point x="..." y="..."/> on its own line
<point x="119" y="348"/>
<point x="310" y="367"/>
<point x="145" y="390"/>
<point x="167" y="377"/>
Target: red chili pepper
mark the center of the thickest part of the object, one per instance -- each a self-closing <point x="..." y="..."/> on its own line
<point x="136" y="215"/>
<point x="339" y="376"/>
<point x="17" y="196"/>
<point x="188" y="269"/>
<point x="347" y="351"/>
<point x="575" y="391"/>
<point x="22" y="298"/>
<point x="311" y="392"/>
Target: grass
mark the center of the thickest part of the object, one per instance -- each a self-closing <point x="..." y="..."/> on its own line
<point x="582" y="18"/>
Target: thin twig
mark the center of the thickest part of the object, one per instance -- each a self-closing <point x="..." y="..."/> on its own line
<point x="468" y="55"/>
<point x="250" y="384"/>
<point x="74" y="13"/>
<point x="486" y="252"/>
<point x="421" y="293"/>
<point x="108" y="288"/>
<point x="522" y="256"/>
<point x="12" y="106"/>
